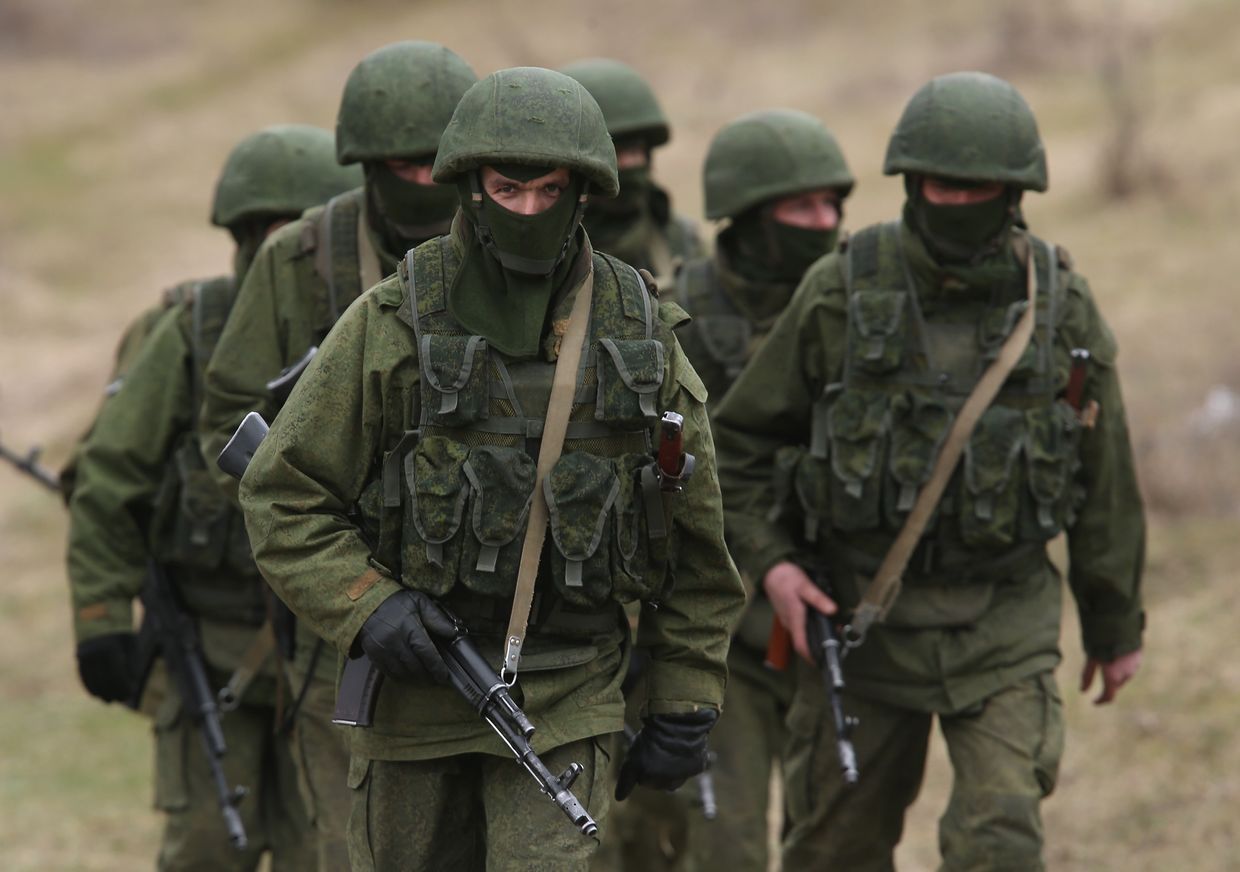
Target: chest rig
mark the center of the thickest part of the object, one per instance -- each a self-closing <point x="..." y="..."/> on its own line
<point x="468" y="474"/>
<point x="718" y="328"/>
<point x="907" y="370"/>
<point x="200" y="529"/>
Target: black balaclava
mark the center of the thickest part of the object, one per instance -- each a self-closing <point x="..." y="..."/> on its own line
<point x="961" y="234"/>
<point x="763" y="249"/>
<point x="405" y="214"/>
<point x="515" y="263"/>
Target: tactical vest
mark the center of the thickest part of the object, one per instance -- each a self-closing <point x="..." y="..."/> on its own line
<point x="725" y="335"/>
<point x="344" y="257"/>
<point x="466" y="477"/>
<point x="200" y="533"/>
<point x="876" y="433"/>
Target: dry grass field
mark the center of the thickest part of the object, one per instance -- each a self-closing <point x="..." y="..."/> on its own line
<point x="115" y="118"/>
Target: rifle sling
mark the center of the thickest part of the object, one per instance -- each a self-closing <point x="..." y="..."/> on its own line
<point x="255" y="657"/>
<point x="881" y="595"/>
<point x="563" y="387"/>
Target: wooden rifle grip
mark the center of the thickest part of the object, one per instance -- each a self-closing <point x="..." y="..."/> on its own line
<point x="778" y="647"/>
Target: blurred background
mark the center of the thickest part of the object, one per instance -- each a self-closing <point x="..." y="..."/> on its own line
<point x="115" y="119"/>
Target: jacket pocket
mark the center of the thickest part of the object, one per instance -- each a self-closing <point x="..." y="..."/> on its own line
<point x="630" y="373"/>
<point x="878" y="321"/>
<point x="581" y="490"/>
<point x="437" y="489"/>
<point x="1051" y="465"/>
<point x="501" y="481"/>
<point x="990" y="497"/>
<point x="856" y="430"/>
<point x="919" y="426"/>
<point x="455" y="379"/>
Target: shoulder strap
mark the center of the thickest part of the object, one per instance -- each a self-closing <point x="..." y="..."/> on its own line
<point x="563" y="388"/>
<point x="212" y="300"/>
<point x="885" y="587"/>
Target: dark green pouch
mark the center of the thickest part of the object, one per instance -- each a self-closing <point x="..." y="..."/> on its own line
<point x="630" y="373"/>
<point x="455" y="379"/>
<point x="438" y="491"/>
<point x="502" y="484"/>
<point x="581" y="490"/>
<point x="878" y="321"/>
<point x="990" y="497"/>
<point x="856" y="430"/>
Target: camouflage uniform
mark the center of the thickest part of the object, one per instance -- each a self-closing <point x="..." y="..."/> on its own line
<point x="406" y="399"/>
<point x="734" y="298"/>
<point x="867" y="367"/>
<point x="142" y="490"/>
<point x="638" y="226"/>
<point x="395" y="105"/>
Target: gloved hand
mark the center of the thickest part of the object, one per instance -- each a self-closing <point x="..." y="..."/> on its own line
<point x="668" y="750"/>
<point x="105" y="664"/>
<point x="397" y="637"/>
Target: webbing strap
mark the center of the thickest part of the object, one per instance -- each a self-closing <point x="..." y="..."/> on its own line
<point x="885" y="586"/>
<point x="559" y="406"/>
<point x="369" y="273"/>
<point x="260" y="649"/>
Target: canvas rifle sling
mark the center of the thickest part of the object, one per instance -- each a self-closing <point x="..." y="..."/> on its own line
<point x="560" y="404"/>
<point x="885" y="587"/>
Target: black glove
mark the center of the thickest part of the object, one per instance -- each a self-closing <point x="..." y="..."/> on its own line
<point x="397" y="637"/>
<point x="106" y="666"/>
<point x="669" y="750"/>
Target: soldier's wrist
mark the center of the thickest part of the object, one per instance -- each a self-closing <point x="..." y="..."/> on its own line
<point x="102" y="618"/>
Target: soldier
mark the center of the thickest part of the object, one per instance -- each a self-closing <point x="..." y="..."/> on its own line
<point x="638" y="225"/>
<point x="434" y="388"/>
<point x="779" y="179"/>
<point x="395" y="106"/>
<point x="870" y="367"/>
<point x="142" y="491"/>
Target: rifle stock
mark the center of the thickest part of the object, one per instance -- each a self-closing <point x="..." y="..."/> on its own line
<point x="29" y="464"/>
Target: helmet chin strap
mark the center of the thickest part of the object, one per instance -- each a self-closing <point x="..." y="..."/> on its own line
<point x="509" y="260"/>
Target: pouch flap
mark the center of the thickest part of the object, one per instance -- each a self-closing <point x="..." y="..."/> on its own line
<point x="580" y="491"/>
<point x="878" y="313"/>
<point x="638" y="362"/>
<point x="434" y="472"/>
<point x="448" y="361"/>
<point x="503" y="483"/>
<point x="992" y="450"/>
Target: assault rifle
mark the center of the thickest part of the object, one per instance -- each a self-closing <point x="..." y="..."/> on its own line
<point x="829" y="653"/>
<point x="471" y="675"/>
<point x="168" y="631"/>
<point x="475" y="680"/>
<point x="29" y="464"/>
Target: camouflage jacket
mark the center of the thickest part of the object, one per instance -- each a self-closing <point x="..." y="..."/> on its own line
<point x="953" y="638"/>
<point x="351" y="409"/>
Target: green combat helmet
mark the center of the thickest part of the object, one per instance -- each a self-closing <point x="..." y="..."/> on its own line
<point x="628" y="102"/>
<point x="281" y="170"/>
<point x="398" y="100"/>
<point x="530" y="116"/>
<point x="970" y="126"/>
<point x="769" y="154"/>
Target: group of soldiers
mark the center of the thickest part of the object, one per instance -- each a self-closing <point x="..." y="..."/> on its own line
<point x="499" y="329"/>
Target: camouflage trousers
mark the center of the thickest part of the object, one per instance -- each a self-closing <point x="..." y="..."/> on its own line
<point x="1005" y="757"/>
<point x="656" y="831"/>
<point x="194" y="835"/>
<point x="473" y="812"/>
<point x="321" y="755"/>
